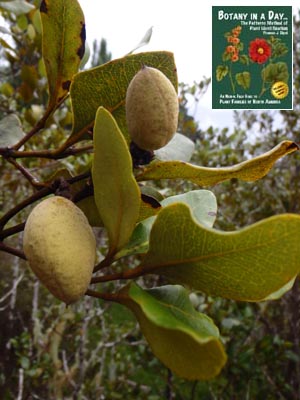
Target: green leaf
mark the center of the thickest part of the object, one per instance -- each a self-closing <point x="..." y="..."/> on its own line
<point x="275" y="72"/>
<point x="117" y="194"/>
<point x="221" y="72"/>
<point x="186" y="341"/>
<point x="180" y="148"/>
<point x="203" y="206"/>
<point x="63" y="44"/>
<point x="249" y="171"/>
<point x="107" y="84"/>
<point x="17" y="7"/>
<point x="10" y="131"/>
<point x="248" y="265"/>
<point x="243" y="79"/>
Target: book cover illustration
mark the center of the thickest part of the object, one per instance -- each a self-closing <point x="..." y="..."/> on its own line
<point x="252" y="57"/>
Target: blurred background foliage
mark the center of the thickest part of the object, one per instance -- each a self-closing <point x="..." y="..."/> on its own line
<point x="94" y="350"/>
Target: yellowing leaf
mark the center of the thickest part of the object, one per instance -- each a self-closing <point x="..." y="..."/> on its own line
<point x="63" y="44"/>
<point x="250" y="170"/>
<point x="251" y="264"/>
<point x="116" y="192"/>
<point x="186" y="341"/>
<point x="107" y="84"/>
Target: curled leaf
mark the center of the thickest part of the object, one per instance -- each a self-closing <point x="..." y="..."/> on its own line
<point x="186" y="341"/>
<point x="249" y="170"/>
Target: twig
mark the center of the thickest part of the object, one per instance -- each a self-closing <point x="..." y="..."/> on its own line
<point x="40" y="125"/>
<point x="127" y="274"/>
<point x="45" y="191"/>
<point x="12" y="250"/>
<point x="34" y="182"/>
<point x="104" y="296"/>
<point x="55" y="154"/>
<point x="15" y="210"/>
<point x="11" y="231"/>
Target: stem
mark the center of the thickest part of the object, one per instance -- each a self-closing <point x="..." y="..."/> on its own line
<point x="127" y="274"/>
<point x="56" y="154"/>
<point x="45" y="191"/>
<point x="34" y="182"/>
<point x="36" y="196"/>
<point x="40" y="125"/>
<point x="12" y="250"/>
<point x="104" y="296"/>
<point x="108" y="260"/>
<point x="12" y="231"/>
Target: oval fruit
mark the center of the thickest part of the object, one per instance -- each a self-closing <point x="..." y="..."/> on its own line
<point x="151" y="109"/>
<point x="60" y="247"/>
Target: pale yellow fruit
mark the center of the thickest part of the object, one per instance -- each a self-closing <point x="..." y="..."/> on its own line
<point x="60" y="247"/>
<point x="151" y="109"/>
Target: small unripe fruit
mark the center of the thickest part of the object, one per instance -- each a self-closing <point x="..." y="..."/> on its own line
<point x="151" y="109"/>
<point x="60" y="247"/>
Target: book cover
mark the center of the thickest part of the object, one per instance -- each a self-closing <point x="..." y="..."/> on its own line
<point x="252" y="57"/>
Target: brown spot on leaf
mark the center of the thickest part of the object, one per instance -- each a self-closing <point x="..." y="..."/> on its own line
<point x="43" y="7"/>
<point x="80" y="51"/>
<point x="66" y="85"/>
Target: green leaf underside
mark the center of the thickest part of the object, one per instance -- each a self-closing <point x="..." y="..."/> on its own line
<point x="203" y="206"/>
<point x="107" y="84"/>
<point x="249" y="171"/>
<point x="116" y="192"/>
<point x="186" y="341"/>
<point x="248" y="265"/>
<point x="63" y="44"/>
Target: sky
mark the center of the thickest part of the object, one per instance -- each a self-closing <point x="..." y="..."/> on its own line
<point x="183" y="28"/>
